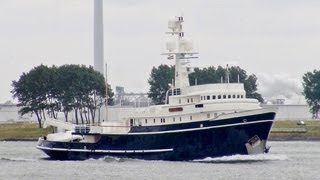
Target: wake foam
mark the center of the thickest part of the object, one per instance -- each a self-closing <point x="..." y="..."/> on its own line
<point x="111" y="159"/>
<point x="16" y="159"/>
<point x="244" y="158"/>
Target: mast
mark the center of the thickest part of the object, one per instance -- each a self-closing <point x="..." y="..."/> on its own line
<point x="179" y="50"/>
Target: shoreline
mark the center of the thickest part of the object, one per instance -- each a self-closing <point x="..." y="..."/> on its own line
<point x="284" y="130"/>
<point x="269" y="139"/>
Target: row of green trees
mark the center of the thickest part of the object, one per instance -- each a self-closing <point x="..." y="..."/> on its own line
<point x="73" y="88"/>
<point x="162" y="75"/>
<point x="69" y="88"/>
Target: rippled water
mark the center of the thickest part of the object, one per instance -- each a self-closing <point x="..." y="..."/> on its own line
<point x="286" y="160"/>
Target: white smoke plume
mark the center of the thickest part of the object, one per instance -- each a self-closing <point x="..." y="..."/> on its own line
<point x="280" y="86"/>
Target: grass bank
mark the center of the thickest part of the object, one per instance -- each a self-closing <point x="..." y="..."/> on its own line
<point x="21" y="131"/>
<point x="290" y="130"/>
<point x="281" y="130"/>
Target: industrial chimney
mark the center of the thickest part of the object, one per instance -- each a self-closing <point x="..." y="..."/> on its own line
<point x="98" y="36"/>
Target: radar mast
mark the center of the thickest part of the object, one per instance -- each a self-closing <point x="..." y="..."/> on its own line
<point x="179" y="49"/>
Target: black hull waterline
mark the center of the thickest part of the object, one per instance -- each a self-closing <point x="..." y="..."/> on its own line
<point x="183" y="142"/>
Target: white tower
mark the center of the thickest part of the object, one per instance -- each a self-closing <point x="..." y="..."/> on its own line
<point x="98" y="48"/>
<point x="98" y="36"/>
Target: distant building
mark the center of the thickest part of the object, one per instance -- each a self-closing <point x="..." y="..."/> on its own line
<point x="291" y="111"/>
<point x="9" y="113"/>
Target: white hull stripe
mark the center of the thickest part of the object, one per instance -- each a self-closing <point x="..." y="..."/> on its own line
<point x="105" y="151"/>
<point x="197" y="129"/>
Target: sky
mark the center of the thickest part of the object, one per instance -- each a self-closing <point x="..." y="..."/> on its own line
<point x="277" y="40"/>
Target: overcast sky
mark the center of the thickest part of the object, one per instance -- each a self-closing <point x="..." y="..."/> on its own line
<point x="278" y="40"/>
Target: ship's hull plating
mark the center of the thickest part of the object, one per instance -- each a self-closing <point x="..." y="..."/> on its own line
<point x="196" y="140"/>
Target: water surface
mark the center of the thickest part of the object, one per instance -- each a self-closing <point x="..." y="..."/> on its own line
<point x="286" y="160"/>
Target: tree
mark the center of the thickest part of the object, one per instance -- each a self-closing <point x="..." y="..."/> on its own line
<point x="159" y="83"/>
<point x="62" y="89"/>
<point x="162" y="76"/>
<point x="311" y="91"/>
<point x="33" y="91"/>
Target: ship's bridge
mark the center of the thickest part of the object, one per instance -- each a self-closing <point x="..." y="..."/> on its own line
<point x="206" y="92"/>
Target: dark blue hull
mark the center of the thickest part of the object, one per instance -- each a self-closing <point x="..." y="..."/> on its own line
<point x="188" y="141"/>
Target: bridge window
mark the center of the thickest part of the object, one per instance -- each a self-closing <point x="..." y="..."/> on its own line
<point x="229" y="96"/>
<point x="224" y="96"/>
<point x="233" y="96"/>
<point x="213" y="97"/>
<point x="208" y="97"/>
<point x="219" y="97"/>
<point x="201" y="98"/>
<point x="238" y="96"/>
<point x="188" y="100"/>
<point x="199" y="106"/>
<point x="241" y="96"/>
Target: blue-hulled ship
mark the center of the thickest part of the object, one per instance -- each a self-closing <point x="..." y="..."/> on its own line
<point x="196" y="122"/>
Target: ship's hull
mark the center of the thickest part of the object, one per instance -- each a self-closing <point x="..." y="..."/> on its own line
<point x="186" y="141"/>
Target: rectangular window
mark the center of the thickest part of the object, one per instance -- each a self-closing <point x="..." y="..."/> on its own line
<point x="180" y="119"/>
<point x="187" y="100"/>
<point x="229" y="96"/>
<point x="191" y="99"/>
<point x="233" y="96"/>
<point x="208" y="115"/>
<point x="213" y="97"/>
<point x="176" y="109"/>
<point x="199" y="106"/>
<point x="154" y="120"/>
<point x="201" y="98"/>
<point x="219" y="97"/>
<point x="174" y="119"/>
<point x="224" y="96"/>
<point x="208" y="97"/>
<point x="146" y="121"/>
<point x="190" y="117"/>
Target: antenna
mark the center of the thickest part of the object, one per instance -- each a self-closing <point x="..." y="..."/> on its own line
<point x="106" y="79"/>
<point x="227" y="74"/>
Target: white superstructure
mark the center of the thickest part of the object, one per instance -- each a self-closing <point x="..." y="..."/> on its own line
<point x="185" y="102"/>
